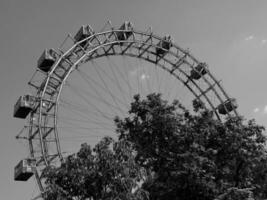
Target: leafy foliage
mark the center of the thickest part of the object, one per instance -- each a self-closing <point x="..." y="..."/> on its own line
<point x="195" y="156"/>
<point x="106" y="172"/>
<point x="166" y="152"/>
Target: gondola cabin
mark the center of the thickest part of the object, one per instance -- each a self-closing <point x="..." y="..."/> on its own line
<point x="24" y="106"/>
<point x="47" y="59"/>
<point x="127" y="31"/>
<point x="164" y="45"/>
<point x="227" y="106"/>
<point x="24" y="170"/>
<point x="84" y="32"/>
<point x="198" y="71"/>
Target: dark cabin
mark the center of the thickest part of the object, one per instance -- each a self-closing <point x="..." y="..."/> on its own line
<point x="228" y="106"/>
<point x="24" y="170"/>
<point x="84" y="32"/>
<point x="127" y="31"/>
<point x="47" y="59"/>
<point x="198" y="71"/>
<point x="24" y="106"/>
<point x="164" y="45"/>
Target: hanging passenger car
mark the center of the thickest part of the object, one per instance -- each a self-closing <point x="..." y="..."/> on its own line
<point x="24" y="106"/>
<point x="164" y="45"/>
<point x="198" y="71"/>
<point x="228" y="106"/>
<point x="84" y="32"/>
<point x="24" y="169"/>
<point x="127" y="31"/>
<point x="47" y="59"/>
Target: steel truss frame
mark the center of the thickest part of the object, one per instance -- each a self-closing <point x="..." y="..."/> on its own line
<point x="42" y="122"/>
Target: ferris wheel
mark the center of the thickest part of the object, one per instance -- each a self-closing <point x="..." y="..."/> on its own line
<point x="78" y="90"/>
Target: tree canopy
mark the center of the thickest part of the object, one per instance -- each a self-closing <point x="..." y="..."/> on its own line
<point x="165" y="152"/>
<point x="108" y="171"/>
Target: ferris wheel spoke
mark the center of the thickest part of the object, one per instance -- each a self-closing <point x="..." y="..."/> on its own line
<point x="163" y="82"/>
<point x="82" y="109"/>
<point x="84" y="126"/>
<point x="81" y="121"/>
<point x="109" y="91"/>
<point x="157" y="76"/>
<point x="145" y="76"/>
<point x="124" y="76"/>
<point x="87" y="78"/>
<point x="84" y="131"/>
<point x="81" y="138"/>
<point x="84" y="113"/>
<point x="91" y="104"/>
<point x="97" y="97"/>
<point x="170" y="88"/>
<point x="160" y="83"/>
<point x="136" y="75"/>
<point x="82" y="116"/>
<point x="115" y="80"/>
<point x="142" y="78"/>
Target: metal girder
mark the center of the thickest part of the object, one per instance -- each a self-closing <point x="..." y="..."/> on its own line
<point x="48" y="88"/>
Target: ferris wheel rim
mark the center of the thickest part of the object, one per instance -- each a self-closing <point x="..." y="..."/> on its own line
<point x="41" y="91"/>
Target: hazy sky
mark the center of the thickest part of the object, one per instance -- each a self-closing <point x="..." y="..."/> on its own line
<point x="230" y="35"/>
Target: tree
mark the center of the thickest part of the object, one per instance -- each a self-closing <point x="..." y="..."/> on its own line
<point x="107" y="172"/>
<point x="165" y="152"/>
<point x="195" y="156"/>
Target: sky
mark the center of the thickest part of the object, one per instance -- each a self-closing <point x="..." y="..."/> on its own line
<point x="231" y="36"/>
